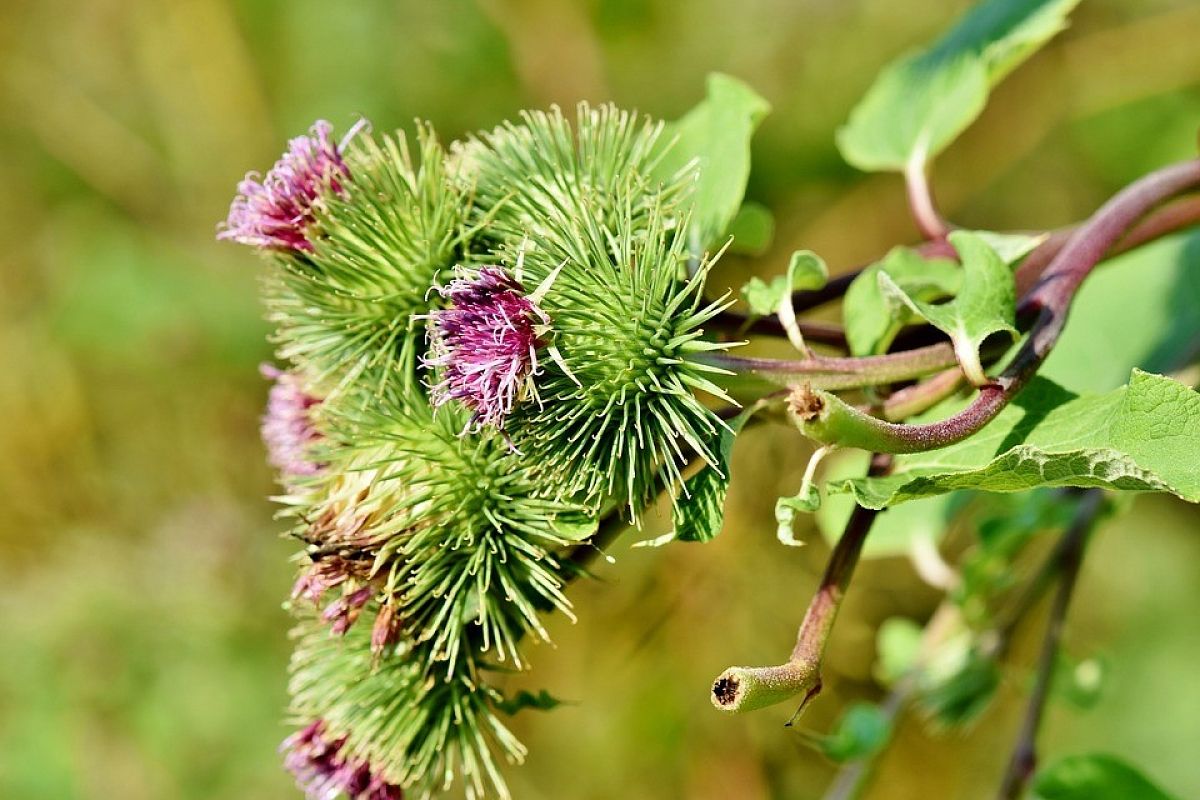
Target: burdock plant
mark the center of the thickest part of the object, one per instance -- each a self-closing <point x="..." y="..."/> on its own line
<point x="498" y="353"/>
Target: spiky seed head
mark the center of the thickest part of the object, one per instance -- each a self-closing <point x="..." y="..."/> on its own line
<point x="435" y="732"/>
<point x="276" y="211"/>
<point x="468" y="551"/>
<point x="616" y="416"/>
<point x="484" y="344"/>
<point x="344" y="309"/>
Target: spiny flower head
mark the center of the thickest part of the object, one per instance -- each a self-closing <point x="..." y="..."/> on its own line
<point x="323" y="769"/>
<point x="486" y="344"/>
<point x="384" y="713"/>
<point x="345" y="309"/>
<point x="616" y="416"/>
<point x="288" y="427"/>
<point x="275" y="213"/>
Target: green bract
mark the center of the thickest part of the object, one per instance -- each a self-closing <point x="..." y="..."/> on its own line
<point x="344" y="310"/>
<point x="422" y="734"/>
<point x="626" y="311"/>
<point x="469" y="554"/>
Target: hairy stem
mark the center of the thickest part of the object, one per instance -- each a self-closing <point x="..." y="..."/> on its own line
<point x="920" y="201"/>
<point x="1047" y="303"/>
<point x="828" y="372"/>
<point x="919" y="397"/>
<point x="749" y="688"/>
<point x="1068" y="558"/>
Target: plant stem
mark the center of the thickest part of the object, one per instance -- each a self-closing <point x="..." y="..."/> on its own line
<point x="920" y="201"/>
<point x="741" y="324"/>
<point x="1047" y="303"/>
<point x="827" y="372"/>
<point x="749" y="688"/>
<point x="1170" y="218"/>
<point x="1068" y="558"/>
<point x="1173" y="217"/>
<point x="919" y="397"/>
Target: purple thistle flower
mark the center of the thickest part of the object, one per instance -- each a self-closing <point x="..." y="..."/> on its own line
<point x="275" y="212"/>
<point x="487" y="343"/>
<point x="323" y="769"/>
<point x="287" y="426"/>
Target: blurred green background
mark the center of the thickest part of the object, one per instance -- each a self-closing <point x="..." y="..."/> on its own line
<point x="142" y="645"/>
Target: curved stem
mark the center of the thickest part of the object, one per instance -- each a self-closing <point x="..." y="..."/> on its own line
<point x="920" y="201"/>
<point x="749" y="688"/>
<point x="912" y="400"/>
<point x="1047" y="303"/>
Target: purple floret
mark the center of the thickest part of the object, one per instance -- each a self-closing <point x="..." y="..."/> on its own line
<point x="287" y="427"/>
<point x="275" y="213"/>
<point x="486" y="343"/>
<point x="323" y="770"/>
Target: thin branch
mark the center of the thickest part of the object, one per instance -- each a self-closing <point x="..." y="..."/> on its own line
<point x="1069" y="558"/>
<point x="741" y="324"/>
<point x="749" y="688"/>
<point x="1170" y="218"/>
<point x="827" y="372"/>
<point x="922" y="396"/>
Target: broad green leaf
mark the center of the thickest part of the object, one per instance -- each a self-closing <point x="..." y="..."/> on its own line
<point x="543" y="701"/>
<point x="752" y="230"/>
<point x="1093" y="355"/>
<point x="862" y="730"/>
<point x="871" y="322"/>
<point x="1141" y="437"/>
<point x="700" y="510"/>
<point x="806" y="270"/>
<point x="919" y="104"/>
<point x="715" y="135"/>
<point x="986" y="303"/>
<point x="1094" y="777"/>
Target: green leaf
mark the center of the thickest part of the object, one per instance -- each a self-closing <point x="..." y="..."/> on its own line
<point x="752" y="230"/>
<point x="861" y="731"/>
<point x="1011" y="247"/>
<point x="543" y="701"/>
<point x="806" y="270"/>
<point x="1141" y="437"/>
<point x="1094" y="777"/>
<point x="806" y="501"/>
<point x="715" y="135"/>
<point x="871" y="322"/>
<point x="986" y="303"/>
<point x="919" y="104"/>
<point x="699" y="511"/>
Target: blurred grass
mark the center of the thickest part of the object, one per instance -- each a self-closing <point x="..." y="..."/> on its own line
<point x="143" y="650"/>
